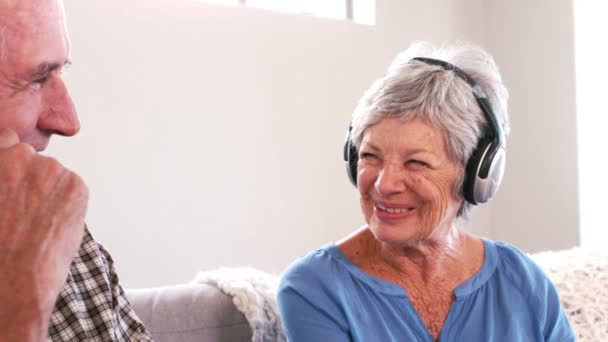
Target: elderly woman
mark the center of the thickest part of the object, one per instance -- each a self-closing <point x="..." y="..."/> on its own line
<point x="426" y="143"/>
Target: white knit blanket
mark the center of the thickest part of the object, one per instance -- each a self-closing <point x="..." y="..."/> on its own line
<point x="581" y="278"/>
<point x="254" y="294"/>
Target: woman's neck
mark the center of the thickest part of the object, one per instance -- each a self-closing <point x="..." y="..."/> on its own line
<point x="454" y="256"/>
<point x="427" y="259"/>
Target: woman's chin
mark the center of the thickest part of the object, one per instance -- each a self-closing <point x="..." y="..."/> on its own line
<point x="398" y="235"/>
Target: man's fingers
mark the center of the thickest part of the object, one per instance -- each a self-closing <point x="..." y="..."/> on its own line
<point x="8" y="138"/>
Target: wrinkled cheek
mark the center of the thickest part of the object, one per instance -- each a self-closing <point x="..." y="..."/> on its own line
<point x="367" y="207"/>
<point x="365" y="182"/>
<point x="435" y="201"/>
<point x="21" y="111"/>
<point x="435" y="212"/>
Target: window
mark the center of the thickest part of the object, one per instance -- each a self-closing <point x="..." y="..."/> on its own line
<point x="592" y="119"/>
<point x="360" y="11"/>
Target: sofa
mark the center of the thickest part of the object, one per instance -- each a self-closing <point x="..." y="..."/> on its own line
<point x="222" y="305"/>
<point x="190" y="312"/>
<point x="213" y="309"/>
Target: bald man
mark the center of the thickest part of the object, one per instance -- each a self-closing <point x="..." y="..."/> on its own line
<point x="56" y="282"/>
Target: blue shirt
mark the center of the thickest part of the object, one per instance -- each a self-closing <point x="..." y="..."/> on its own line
<point x="323" y="296"/>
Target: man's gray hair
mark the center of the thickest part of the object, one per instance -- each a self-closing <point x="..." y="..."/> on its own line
<point x="413" y="89"/>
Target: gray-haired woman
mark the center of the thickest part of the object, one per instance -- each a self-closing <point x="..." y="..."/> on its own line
<point x="426" y="143"/>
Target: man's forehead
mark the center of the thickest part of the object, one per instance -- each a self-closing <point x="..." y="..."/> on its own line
<point x="15" y="4"/>
<point x="20" y="11"/>
<point x="10" y="8"/>
<point x="32" y="32"/>
<point x="9" y="3"/>
<point x="34" y="16"/>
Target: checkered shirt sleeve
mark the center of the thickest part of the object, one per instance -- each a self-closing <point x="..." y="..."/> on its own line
<point x="92" y="305"/>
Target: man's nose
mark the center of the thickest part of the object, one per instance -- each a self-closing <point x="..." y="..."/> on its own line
<point x="59" y="114"/>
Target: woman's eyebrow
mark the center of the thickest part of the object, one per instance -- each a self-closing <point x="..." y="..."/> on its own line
<point x="418" y="150"/>
<point x="370" y="146"/>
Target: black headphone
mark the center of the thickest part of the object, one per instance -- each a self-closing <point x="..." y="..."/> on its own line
<point x="485" y="167"/>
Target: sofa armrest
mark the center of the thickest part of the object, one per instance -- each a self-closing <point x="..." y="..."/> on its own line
<point x="189" y="312"/>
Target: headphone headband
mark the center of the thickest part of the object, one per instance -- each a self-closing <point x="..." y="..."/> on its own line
<point x="496" y="132"/>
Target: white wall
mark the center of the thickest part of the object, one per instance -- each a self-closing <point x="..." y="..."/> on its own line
<point x="533" y="42"/>
<point x="212" y="135"/>
<point x="591" y="75"/>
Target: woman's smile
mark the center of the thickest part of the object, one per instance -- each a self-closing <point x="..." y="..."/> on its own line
<point x="388" y="212"/>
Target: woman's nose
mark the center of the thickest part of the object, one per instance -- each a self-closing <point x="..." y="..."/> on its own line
<point x="391" y="179"/>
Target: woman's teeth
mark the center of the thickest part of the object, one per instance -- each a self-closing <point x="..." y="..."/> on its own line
<point x="393" y="210"/>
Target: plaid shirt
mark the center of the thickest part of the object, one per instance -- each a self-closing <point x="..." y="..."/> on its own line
<point x="92" y="305"/>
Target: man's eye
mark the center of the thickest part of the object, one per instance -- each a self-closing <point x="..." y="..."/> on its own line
<point x="40" y="80"/>
<point x="38" y="83"/>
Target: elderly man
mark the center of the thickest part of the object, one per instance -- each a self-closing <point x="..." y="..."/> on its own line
<point x="43" y="238"/>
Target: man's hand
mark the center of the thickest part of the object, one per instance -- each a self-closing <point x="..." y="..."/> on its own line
<point x="42" y="209"/>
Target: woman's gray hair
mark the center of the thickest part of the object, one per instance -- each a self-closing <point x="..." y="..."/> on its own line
<point x="414" y="89"/>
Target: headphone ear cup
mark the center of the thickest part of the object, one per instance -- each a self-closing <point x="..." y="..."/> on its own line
<point x="468" y="187"/>
<point x="484" y="172"/>
<point x="351" y="158"/>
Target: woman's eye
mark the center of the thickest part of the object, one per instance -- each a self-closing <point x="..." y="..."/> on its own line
<point x="417" y="163"/>
<point x="367" y="155"/>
